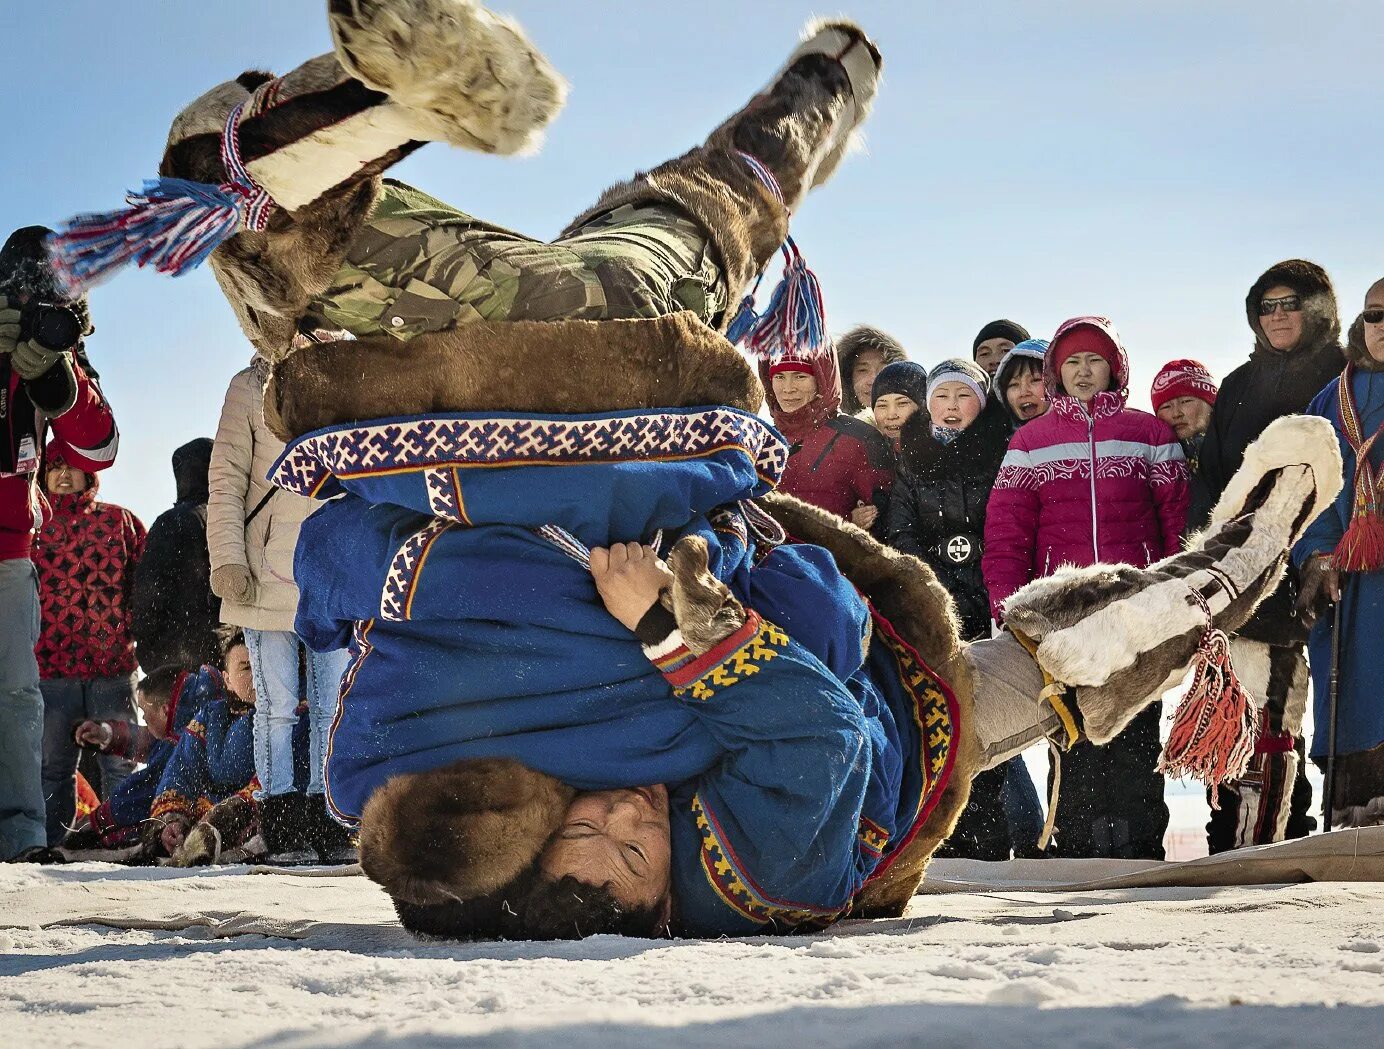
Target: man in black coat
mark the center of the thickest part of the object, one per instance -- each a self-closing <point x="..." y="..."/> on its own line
<point x="1297" y="334"/>
<point x="175" y="612"/>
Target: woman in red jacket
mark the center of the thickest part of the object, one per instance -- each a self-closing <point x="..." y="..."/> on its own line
<point x="835" y="461"/>
<point x="1092" y="481"/>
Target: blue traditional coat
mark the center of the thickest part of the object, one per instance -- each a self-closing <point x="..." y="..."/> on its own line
<point x="131" y="802"/>
<point x="1360" y="718"/>
<point x="450" y="561"/>
<point x="214" y="759"/>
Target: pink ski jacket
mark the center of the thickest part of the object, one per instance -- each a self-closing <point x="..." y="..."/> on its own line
<point x="1084" y="484"/>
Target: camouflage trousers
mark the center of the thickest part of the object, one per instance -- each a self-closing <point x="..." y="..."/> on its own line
<point x="419" y="265"/>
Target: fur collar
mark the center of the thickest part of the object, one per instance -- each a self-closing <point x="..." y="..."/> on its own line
<point x="568" y="367"/>
<point x="977" y="450"/>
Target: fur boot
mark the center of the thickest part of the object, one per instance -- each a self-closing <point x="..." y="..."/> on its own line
<point x="318" y="138"/>
<point x="459" y="832"/>
<point x="1123" y="636"/>
<point x="798" y="127"/>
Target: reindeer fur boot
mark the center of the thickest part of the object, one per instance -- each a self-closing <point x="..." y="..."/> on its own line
<point x="1123" y="636"/>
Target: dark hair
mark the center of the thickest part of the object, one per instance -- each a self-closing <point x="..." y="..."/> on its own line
<point x="495" y="916"/>
<point x="1021" y="366"/>
<point x="569" y="909"/>
<point x="230" y="639"/>
<point x="160" y="681"/>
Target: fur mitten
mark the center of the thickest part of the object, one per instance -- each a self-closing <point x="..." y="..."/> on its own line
<point x="461" y="831"/>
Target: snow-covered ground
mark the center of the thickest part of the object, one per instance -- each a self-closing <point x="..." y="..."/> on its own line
<point x="260" y="960"/>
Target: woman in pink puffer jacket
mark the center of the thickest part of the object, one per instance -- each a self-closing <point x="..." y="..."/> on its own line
<point x="1092" y="480"/>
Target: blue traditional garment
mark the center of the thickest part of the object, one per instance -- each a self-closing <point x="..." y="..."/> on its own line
<point x="214" y="759"/>
<point x="450" y="561"/>
<point x="1360" y="712"/>
<point x="130" y="803"/>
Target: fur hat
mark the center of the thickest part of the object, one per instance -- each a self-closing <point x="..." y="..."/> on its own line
<point x="905" y="377"/>
<point x="25" y="269"/>
<point x="460" y="832"/>
<point x="957" y="370"/>
<point x="849" y="346"/>
<point x="1000" y="329"/>
<point x="1321" y="319"/>
<point x="1183" y="378"/>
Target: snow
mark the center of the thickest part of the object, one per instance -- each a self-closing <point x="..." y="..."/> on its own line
<point x="315" y="959"/>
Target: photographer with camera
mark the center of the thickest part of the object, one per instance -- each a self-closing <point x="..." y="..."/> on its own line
<point x="46" y="383"/>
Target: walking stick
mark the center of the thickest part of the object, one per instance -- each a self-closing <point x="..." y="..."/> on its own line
<point x="1333" y="693"/>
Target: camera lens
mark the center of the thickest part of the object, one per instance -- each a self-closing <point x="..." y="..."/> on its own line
<point x="55" y="327"/>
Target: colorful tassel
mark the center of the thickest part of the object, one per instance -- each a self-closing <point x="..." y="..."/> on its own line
<point x="794" y="323"/>
<point x="1361" y="549"/>
<point x="173" y="224"/>
<point x="1214" y="728"/>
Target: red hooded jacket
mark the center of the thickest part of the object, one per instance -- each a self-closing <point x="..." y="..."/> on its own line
<point x="86" y="555"/>
<point x="835" y="461"/>
<point x="87" y="429"/>
<point x="1084" y="484"/>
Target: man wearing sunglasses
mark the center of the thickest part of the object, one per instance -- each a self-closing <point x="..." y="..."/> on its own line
<point x="1292" y="312"/>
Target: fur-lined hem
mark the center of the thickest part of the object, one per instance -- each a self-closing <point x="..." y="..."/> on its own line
<point x="568" y="367"/>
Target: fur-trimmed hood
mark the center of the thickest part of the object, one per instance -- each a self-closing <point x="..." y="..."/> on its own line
<point x="1321" y="322"/>
<point x="1356" y="353"/>
<point x="849" y="347"/>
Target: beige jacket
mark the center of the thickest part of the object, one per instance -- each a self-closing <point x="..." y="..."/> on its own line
<point x="240" y="460"/>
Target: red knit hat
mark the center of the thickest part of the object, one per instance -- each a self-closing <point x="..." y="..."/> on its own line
<point x="792" y="364"/>
<point x="1087" y="338"/>
<point x="1183" y="379"/>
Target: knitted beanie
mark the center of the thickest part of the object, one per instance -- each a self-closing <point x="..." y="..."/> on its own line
<point x="957" y="370"/>
<point x="1184" y="378"/>
<point x="1000" y="329"/>
<point x="1033" y="349"/>
<point x="905" y="377"/>
<point x="791" y="364"/>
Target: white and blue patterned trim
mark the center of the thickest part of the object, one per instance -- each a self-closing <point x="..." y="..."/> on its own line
<point x="443" y="442"/>
<point x="402" y="578"/>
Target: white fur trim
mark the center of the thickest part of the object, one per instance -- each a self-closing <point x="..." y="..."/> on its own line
<point x="474" y="71"/>
<point x="301" y="172"/>
<point x="1090" y="652"/>
<point x="1251" y="662"/>
<point x="1306" y="440"/>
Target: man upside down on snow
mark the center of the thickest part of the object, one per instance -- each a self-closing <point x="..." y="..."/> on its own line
<point x="594" y="687"/>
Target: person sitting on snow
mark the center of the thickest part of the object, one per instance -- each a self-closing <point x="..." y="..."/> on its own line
<point x="204" y="801"/>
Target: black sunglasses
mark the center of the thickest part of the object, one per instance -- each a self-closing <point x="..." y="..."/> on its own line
<point x="1288" y="303"/>
<point x="1373" y="316"/>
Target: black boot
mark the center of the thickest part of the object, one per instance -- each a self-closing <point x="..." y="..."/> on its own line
<point x="284" y="826"/>
<point x="330" y="839"/>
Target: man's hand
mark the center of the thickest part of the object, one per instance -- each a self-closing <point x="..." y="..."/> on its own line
<point x="172" y="835"/>
<point x="1320" y="585"/>
<point x="96" y="734"/>
<point x="233" y="583"/>
<point x="864" y="516"/>
<point x="629" y="577"/>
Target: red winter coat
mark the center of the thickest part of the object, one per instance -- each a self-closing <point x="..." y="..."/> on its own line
<point x="835" y="461"/>
<point x="88" y="430"/>
<point x="1079" y="487"/>
<point x="86" y="556"/>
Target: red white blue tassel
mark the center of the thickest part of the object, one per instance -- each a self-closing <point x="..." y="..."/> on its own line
<point x="172" y="224"/>
<point x="794" y="323"/>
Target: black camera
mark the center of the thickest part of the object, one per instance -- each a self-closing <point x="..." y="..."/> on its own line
<point x="53" y="327"/>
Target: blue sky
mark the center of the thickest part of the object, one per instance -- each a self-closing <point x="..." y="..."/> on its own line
<point x="1030" y="160"/>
